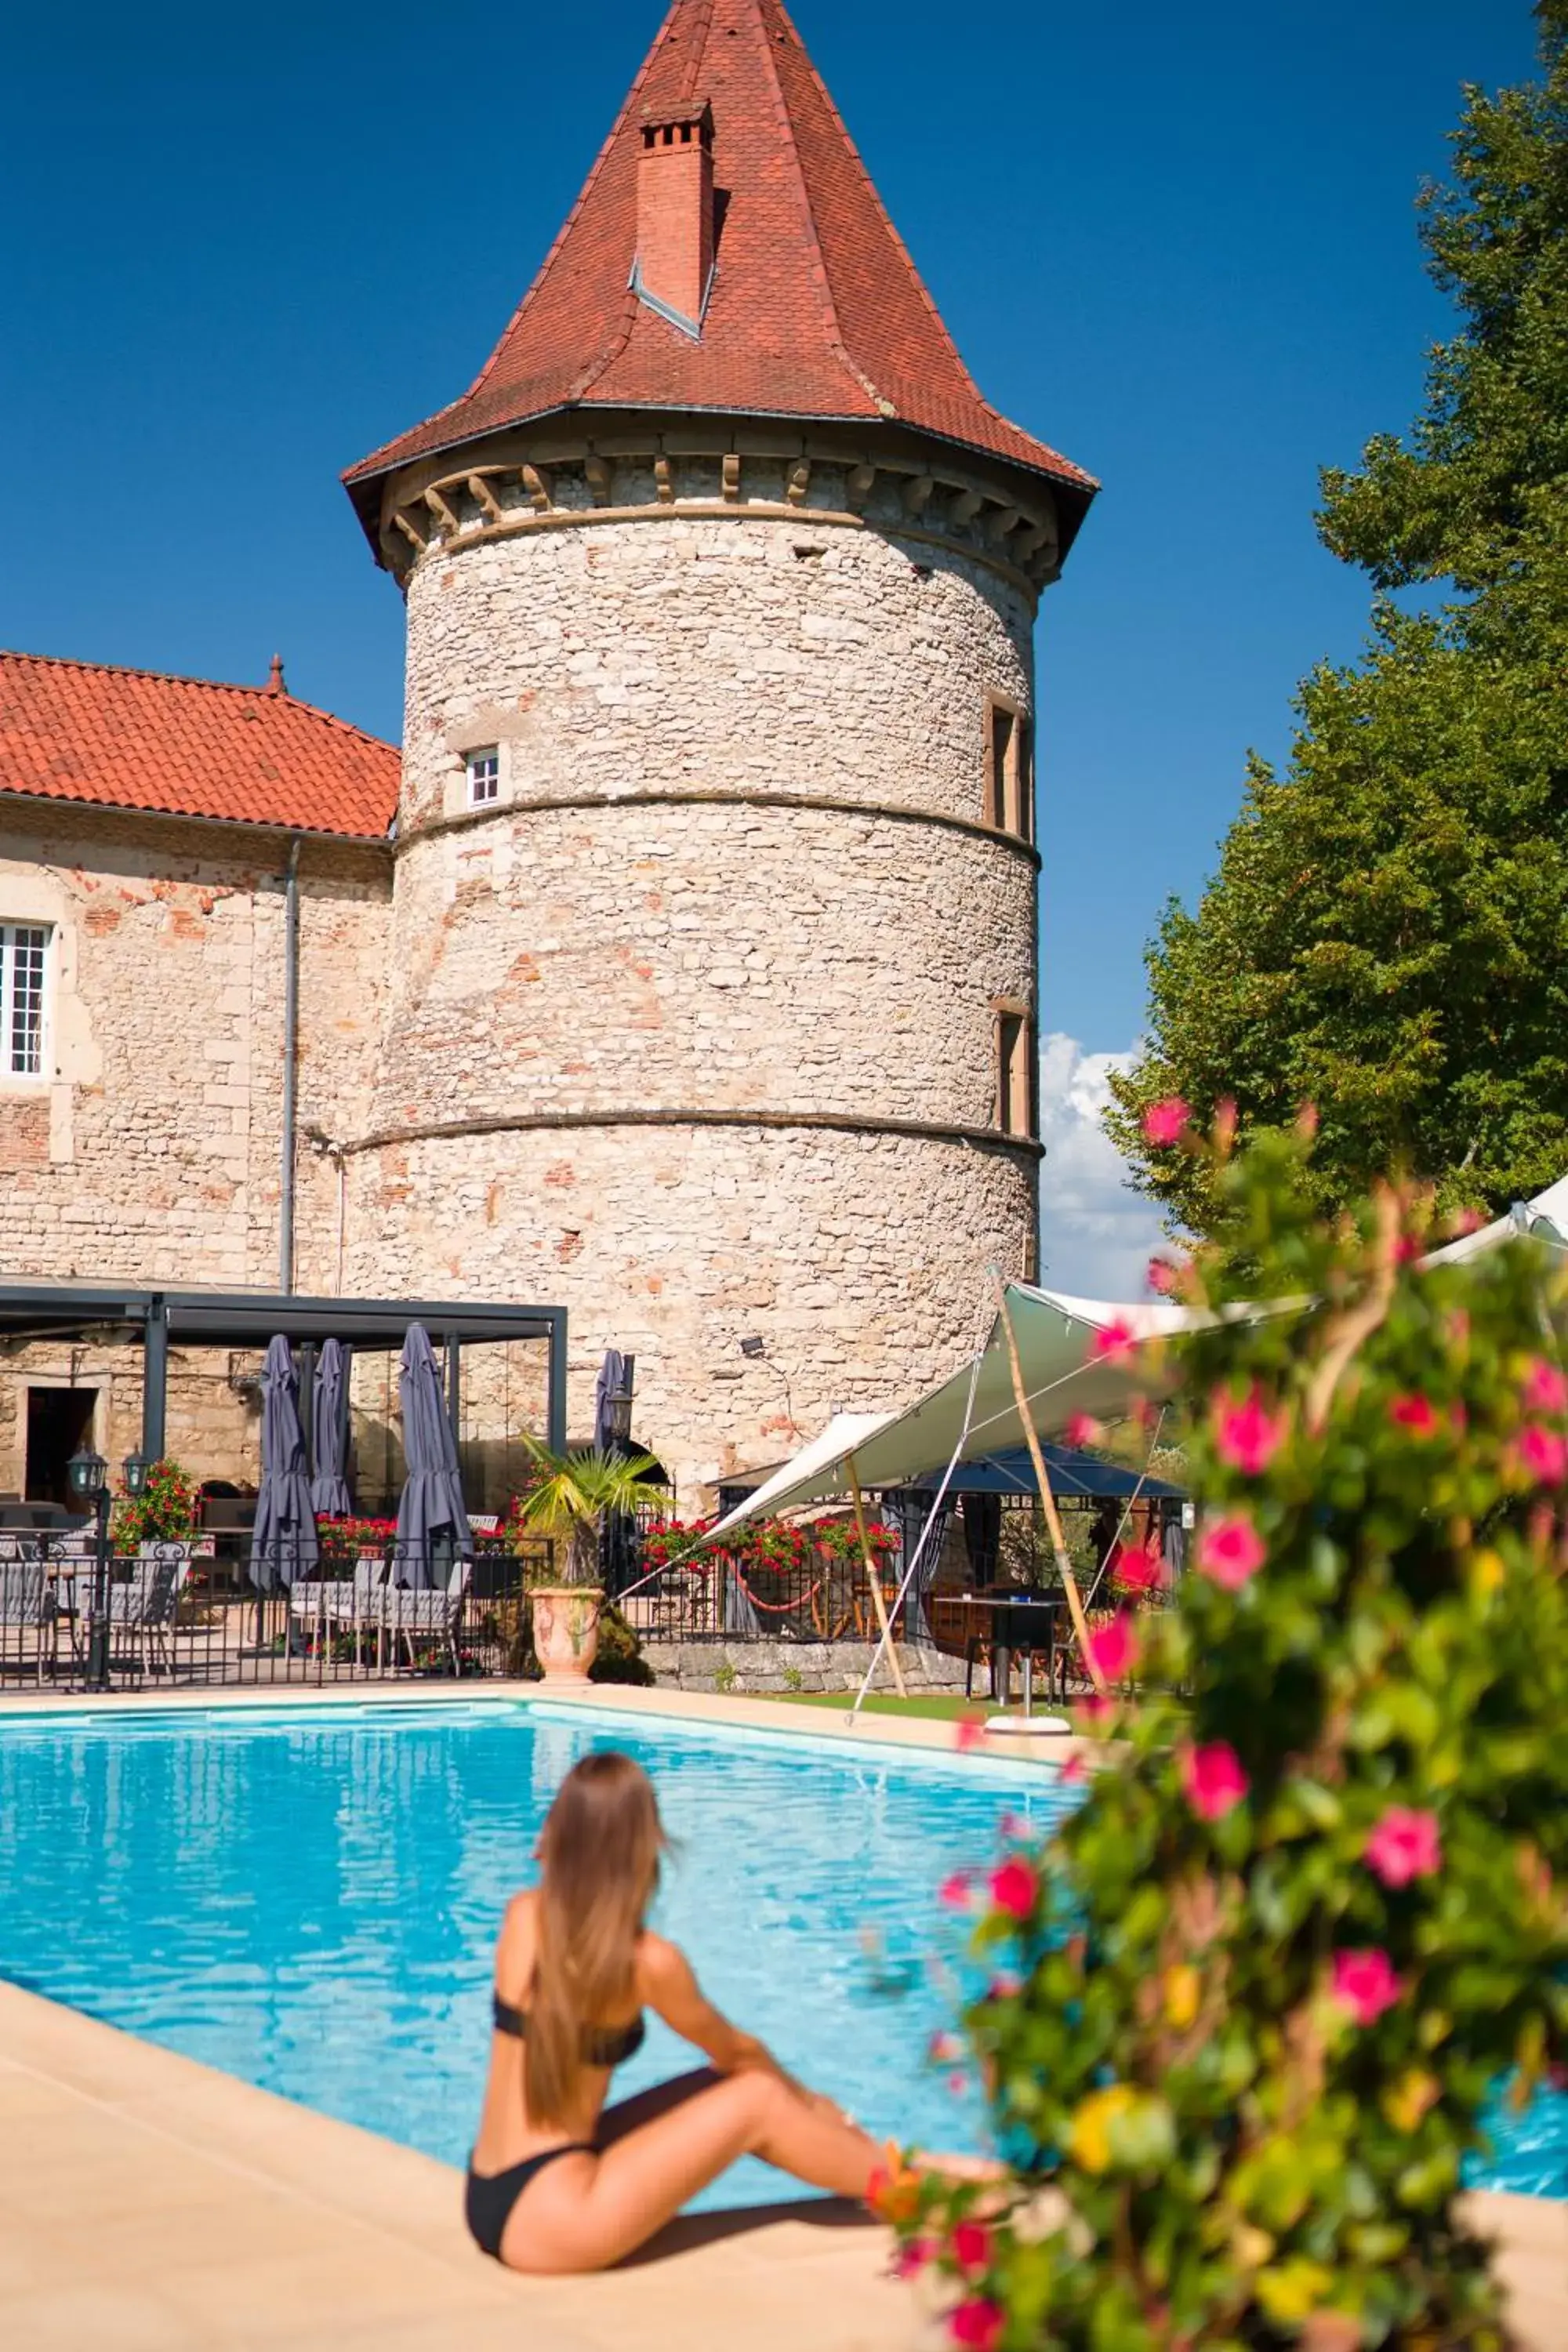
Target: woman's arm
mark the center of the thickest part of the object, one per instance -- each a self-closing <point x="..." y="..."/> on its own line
<point x="670" y="1989"/>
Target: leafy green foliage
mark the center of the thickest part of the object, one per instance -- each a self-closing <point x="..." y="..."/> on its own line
<point x="163" y="1512"/>
<point x="1384" y="936"/>
<point x="619" y="1657"/>
<point x="570" y="1497"/>
<point x="1250" y="2001"/>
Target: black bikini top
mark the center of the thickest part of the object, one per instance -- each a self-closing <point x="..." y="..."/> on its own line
<point x="602" y="2046"/>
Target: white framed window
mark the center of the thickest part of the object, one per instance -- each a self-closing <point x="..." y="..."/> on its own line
<point x="484" y="776"/>
<point x="23" y="976"/>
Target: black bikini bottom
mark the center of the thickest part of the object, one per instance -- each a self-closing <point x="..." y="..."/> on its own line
<point x="492" y="2197"/>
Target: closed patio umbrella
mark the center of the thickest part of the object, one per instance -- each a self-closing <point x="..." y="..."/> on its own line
<point x="330" y="1415"/>
<point x="283" y="1543"/>
<point x="430" y="1509"/>
<point x="609" y="1384"/>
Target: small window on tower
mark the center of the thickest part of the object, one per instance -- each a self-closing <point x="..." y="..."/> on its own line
<point x="484" y="777"/>
<point x="1014" y="1070"/>
<point x="1009" y="774"/>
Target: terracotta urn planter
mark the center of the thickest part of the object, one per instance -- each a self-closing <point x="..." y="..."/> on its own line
<point x="566" y="1629"/>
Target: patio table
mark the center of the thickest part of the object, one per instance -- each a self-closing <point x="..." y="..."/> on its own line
<point x="1010" y="1612"/>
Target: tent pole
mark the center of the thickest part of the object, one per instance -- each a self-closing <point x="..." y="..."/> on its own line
<point x="872" y="1578"/>
<point x="1053" y="1517"/>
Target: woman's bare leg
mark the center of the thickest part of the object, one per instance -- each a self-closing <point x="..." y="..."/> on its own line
<point x="576" y="2218"/>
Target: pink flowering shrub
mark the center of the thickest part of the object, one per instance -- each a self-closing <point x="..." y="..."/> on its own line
<point x="1248" y="2006"/>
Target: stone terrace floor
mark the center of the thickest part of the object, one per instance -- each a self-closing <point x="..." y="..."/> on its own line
<point x="149" y="2204"/>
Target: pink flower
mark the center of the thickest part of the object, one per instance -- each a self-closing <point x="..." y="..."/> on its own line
<point x="1166" y="1122"/>
<point x="1163" y="1277"/>
<point x="957" y="1893"/>
<point x="1246" y="1436"/>
<point x="1083" y="1429"/>
<point x="968" y="1732"/>
<point x="1468" y="1221"/>
<point x="957" y="2084"/>
<point x="1012" y="1826"/>
<point x="1544" y="1454"/>
<point x="945" y="2049"/>
<point x="1014" y="1888"/>
<point x="1403" y="1845"/>
<point x="1003" y="1986"/>
<point x="1416" y="1414"/>
<point x="1231" y="1551"/>
<point x="917" y="2256"/>
<point x="1139" y="1570"/>
<point x="1074" y="1769"/>
<point x="1213" y="1780"/>
<point x="1113" y="1649"/>
<point x="1365" y="1984"/>
<point x="1545" y="1390"/>
<point x="971" y="2247"/>
<point x="978" y="2324"/>
<point x="1113" y="1342"/>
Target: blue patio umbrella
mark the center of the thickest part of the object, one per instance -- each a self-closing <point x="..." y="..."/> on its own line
<point x="430" y="1509"/>
<point x="329" y="1418"/>
<point x="283" y="1543"/>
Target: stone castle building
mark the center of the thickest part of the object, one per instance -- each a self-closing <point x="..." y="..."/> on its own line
<point x="685" y="975"/>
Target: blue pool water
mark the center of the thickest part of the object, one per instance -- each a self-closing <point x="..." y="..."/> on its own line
<point x="312" y="1903"/>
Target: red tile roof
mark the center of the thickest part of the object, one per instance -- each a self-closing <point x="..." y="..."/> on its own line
<point x="135" y="739"/>
<point x="816" y="309"/>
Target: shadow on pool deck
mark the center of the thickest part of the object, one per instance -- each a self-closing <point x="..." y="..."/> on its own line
<point x="695" y="2230"/>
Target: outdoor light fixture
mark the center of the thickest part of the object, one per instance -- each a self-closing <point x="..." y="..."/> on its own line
<point x="753" y="1347"/>
<point x="87" y="1473"/>
<point x="618" y="1409"/>
<point x="134" y="1469"/>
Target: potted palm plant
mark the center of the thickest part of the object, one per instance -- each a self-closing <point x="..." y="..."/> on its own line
<point x="569" y="1498"/>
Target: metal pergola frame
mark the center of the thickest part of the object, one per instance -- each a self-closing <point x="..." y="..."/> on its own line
<point x="31" y="1311"/>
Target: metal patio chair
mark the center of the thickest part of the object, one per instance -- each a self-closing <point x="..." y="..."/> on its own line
<point x="431" y="1619"/>
<point x="143" y="1609"/>
<point x="358" y="1607"/>
<point x="27" y="1606"/>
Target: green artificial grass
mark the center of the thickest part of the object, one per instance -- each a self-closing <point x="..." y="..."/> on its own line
<point x="936" y="1705"/>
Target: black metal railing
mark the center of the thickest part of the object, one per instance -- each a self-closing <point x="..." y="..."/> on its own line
<point x="165" y="1620"/>
<point x="711" y="1596"/>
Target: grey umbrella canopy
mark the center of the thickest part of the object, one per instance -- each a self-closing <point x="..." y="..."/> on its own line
<point x="611" y="1373"/>
<point x="430" y="1510"/>
<point x="329" y="1417"/>
<point x="283" y="1545"/>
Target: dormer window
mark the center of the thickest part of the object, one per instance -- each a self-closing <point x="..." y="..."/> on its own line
<point x="1009" y="770"/>
<point x="484" y="776"/>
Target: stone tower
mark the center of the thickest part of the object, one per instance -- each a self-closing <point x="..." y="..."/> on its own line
<point x="713" y="1004"/>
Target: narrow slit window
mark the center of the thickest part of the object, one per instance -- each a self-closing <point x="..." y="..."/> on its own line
<point x="24" y="971"/>
<point x="484" y="777"/>
<point x="1015" y="1073"/>
<point x="1009" y="780"/>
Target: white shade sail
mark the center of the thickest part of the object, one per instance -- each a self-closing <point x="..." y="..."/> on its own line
<point x="1063" y="1374"/>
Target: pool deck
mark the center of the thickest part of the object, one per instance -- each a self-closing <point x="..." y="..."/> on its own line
<point x="150" y="2204"/>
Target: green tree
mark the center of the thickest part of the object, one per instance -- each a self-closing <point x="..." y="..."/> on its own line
<point x="1385" y="935"/>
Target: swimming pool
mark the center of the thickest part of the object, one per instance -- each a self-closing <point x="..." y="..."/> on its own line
<point x="310" y="1901"/>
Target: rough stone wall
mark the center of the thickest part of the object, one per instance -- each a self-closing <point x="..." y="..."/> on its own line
<point x="149" y="1152"/>
<point x="702" y="958"/>
<point x="657" y="956"/>
<point x="770" y="1667"/>
<point x="749" y="654"/>
<point x="860" y="1258"/>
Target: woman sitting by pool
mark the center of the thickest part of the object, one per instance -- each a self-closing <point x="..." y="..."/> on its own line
<point x="558" y="2182"/>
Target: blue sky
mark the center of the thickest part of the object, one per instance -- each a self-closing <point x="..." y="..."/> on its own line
<point x="240" y="249"/>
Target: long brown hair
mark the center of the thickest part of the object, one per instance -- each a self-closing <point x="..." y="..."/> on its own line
<point x="600" y="1852"/>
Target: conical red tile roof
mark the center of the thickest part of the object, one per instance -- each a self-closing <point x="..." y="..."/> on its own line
<point x="816" y="309"/>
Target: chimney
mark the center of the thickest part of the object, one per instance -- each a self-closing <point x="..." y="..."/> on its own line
<point x="675" y="215"/>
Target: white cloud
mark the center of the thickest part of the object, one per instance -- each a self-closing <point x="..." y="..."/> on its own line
<point x="1097" y="1236"/>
